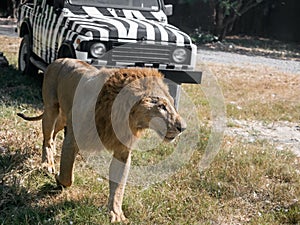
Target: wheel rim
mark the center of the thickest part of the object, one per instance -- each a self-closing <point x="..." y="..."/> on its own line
<point x="23" y="57"/>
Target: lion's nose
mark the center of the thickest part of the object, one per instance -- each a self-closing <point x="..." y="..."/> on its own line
<point x="181" y="126"/>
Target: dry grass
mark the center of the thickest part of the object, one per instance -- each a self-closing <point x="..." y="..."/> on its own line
<point x="259" y="93"/>
<point x="10" y="45"/>
<point x="247" y="183"/>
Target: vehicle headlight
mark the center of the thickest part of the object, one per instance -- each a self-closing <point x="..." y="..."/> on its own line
<point x="98" y="50"/>
<point x="179" y="55"/>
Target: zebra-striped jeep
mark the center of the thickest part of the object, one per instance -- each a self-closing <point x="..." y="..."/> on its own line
<point x="111" y="33"/>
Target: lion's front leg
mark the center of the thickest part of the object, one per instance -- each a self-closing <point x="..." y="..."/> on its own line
<point x="68" y="155"/>
<point x="118" y="173"/>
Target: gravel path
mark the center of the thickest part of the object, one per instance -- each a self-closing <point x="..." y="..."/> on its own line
<point x="8" y="27"/>
<point x="244" y="60"/>
<point x="282" y="134"/>
<point x="8" y="30"/>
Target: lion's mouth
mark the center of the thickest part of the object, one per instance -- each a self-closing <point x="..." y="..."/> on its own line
<point x="169" y="137"/>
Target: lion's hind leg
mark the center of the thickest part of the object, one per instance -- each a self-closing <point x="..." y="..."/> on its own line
<point x="49" y="123"/>
<point x="59" y="125"/>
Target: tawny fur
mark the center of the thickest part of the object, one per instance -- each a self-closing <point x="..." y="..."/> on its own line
<point x="143" y="89"/>
<point x="140" y="83"/>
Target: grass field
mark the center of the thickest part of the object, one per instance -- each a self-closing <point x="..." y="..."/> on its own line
<point x="247" y="183"/>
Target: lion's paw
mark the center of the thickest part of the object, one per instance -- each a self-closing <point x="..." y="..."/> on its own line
<point x="50" y="168"/>
<point x="62" y="183"/>
<point x="118" y="217"/>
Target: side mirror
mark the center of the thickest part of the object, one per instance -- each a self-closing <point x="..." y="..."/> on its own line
<point x="169" y="10"/>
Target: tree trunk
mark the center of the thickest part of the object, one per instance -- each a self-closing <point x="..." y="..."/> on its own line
<point x="225" y="23"/>
<point x="219" y="21"/>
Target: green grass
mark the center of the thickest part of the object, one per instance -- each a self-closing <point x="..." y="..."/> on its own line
<point x="247" y="183"/>
<point x="250" y="109"/>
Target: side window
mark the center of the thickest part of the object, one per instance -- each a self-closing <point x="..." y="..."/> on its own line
<point x="26" y="1"/>
<point x="39" y="2"/>
<point x="50" y="2"/>
<point x="58" y="4"/>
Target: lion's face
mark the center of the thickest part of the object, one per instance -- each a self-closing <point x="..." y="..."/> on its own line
<point x="159" y="114"/>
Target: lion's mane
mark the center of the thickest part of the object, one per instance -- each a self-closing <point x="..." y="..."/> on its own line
<point x="133" y="84"/>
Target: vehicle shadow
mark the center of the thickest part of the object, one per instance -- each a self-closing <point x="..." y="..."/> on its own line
<point x="19" y="161"/>
<point x="29" y="195"/>
<point x="26" y="189"/>
<point x="15" y="170"/>
<point x="17" y="89"/>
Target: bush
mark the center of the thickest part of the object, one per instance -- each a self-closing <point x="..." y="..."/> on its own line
<point x="201" y="37"/>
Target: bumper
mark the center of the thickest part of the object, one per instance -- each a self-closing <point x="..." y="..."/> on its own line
<point x="179" y="76"/>
<point x="176" y="76"/>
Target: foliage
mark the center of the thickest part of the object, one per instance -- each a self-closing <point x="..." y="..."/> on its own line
<point x="202" y="37"/>
<point x="226" y="12"/>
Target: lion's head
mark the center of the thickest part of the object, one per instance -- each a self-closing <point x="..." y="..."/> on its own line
<point x="133" y="100"/>
<point x="159" y="114"/>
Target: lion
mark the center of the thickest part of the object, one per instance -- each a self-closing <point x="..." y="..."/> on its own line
<point x="145" y="103"/>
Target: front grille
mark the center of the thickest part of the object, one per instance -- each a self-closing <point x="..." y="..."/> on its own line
<point x="141" y="53"/>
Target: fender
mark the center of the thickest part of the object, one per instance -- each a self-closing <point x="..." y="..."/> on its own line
<point x="25" y="28"/>
<point x="66" y="50"/>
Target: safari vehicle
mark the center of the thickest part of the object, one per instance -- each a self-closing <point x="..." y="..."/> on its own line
<point x="111" y="33"/>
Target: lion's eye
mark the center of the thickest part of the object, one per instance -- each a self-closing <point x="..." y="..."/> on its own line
<point x="162" y="106"/>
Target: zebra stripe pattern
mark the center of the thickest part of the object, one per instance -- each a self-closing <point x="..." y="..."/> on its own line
<point x="74" y="24"/>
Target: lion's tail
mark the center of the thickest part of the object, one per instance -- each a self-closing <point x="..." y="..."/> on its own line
<point x="35" y="118"/>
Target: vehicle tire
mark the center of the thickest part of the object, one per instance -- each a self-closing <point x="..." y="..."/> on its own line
<point x="25" y="52"/>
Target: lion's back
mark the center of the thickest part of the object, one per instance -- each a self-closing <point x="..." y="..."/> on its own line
<point x="61" y="80"/>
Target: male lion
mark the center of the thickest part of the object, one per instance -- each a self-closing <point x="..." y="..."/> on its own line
<point x="145" y="100"/>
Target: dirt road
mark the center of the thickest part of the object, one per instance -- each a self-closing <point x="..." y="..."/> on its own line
<point x="8" y="27"/>
<point x="244" y="60"/>
<point x="8" y="30"/>
<point x="281" y="134"/>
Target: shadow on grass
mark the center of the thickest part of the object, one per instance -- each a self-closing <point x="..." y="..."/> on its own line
<point x="26" y="191"/>
<point x="18" y="89"/>
<point x="29" y="195"/>
<point x="16" y="174"/>
<point x="67" y="212"/>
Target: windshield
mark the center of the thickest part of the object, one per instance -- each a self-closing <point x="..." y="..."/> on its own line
<point x="151" y="5"/>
